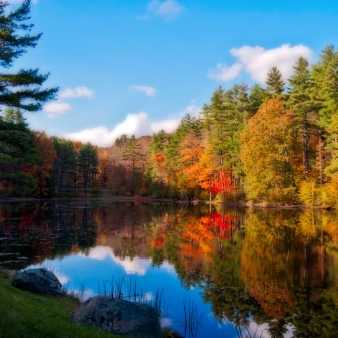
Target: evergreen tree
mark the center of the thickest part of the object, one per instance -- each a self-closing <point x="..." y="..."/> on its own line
<point x="17" y="155"/>
<point x="274" y="82"/>
<point x="132" y="155"/>
<point x="87" y="164"/>
<point x="257" y="97"/>
<point x="305" y="108"/>
<point x="215" y="118"/>
<point x="325" y="77"/>
<point x="22" y="89"/>
<point x="14" y="116"/>
<point x="65" y="165"/>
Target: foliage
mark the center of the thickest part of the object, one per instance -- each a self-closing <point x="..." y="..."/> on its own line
<point x="24" y="314"/>
<point x="87" y="164"/>
<point x="43" y="170"/>
<point x="23" y="89"/>
<point x="308" y="193"/>
<point x="96" y="191"/>
<point x="266" y="154"/>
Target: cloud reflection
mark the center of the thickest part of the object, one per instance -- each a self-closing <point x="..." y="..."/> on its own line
<point x="133" y="266"/>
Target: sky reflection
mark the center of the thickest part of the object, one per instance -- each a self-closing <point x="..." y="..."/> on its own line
<point x="87" y="272"/>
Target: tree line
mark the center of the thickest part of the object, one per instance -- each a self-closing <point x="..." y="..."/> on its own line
<point x="274" y="144"/>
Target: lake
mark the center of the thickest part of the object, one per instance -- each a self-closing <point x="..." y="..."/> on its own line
<point x="235" y="272"/>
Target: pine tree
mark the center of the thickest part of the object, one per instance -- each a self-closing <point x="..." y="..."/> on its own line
<point x="305" y="108"/>
<point x="87" y="164"/>
<point x="22" y="89"/>
<point x="274" y="82"/>
<point x="132" y="156"/>
<point x="17" y="155"/>
<point x="325" y="77"/>
<point x="65" y="165"/>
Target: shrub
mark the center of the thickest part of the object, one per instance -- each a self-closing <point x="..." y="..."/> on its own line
<point x="96" y="191"/>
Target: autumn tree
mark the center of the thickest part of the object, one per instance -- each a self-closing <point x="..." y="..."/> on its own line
<point x="266" y="154"/>
<point x="104" y="167"/>
<point x="156" y="172"/>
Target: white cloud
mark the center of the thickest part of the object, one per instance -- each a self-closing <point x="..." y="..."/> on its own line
<point x="56" y="109"/>
<point x="134" y="124"/>
<point x="77" y="92"/>
<point x="168" y="267"/>
<point x="257" y="61"/>
<point x="149" y="91"/>
<point x="192" y="110"/>
<point x="167" y="125"/>
<point x="225" y="73"/>
<point x="169" y="10"/>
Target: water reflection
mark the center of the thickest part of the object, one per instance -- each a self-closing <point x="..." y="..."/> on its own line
<point x="274" y="272"/>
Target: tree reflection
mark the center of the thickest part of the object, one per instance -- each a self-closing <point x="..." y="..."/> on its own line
<point x="278" y="267"/>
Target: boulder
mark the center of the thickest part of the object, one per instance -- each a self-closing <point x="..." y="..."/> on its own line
<point x="37" y="280"/>
<point x="119" y="316"/>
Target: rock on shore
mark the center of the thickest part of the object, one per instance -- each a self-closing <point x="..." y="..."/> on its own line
<point x="119" y="316"/>
<point x="37" y="280"/>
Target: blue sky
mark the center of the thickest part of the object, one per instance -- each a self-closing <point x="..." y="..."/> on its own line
<point x="139" y="66"/>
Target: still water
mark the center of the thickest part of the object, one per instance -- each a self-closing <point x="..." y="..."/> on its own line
<point x="242" y="272"/>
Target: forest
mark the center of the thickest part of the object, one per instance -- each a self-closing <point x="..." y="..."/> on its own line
<point x="275" y="144"/>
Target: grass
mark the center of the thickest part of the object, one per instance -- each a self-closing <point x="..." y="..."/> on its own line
<point x="25" y="314"/>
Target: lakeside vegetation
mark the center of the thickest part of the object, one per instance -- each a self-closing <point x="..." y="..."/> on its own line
<point x="25" y="314"/>
<point x="261" y="144"/>
<point x="275" y="144"/>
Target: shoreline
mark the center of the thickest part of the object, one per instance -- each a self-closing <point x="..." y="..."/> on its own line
<point x="235" y="204"/>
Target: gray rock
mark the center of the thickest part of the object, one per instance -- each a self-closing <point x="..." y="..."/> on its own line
<point x="37" y="280"/>
<point x="119" y="316"/>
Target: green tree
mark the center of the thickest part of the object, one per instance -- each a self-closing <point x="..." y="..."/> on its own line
<point x="132" y="158"/>
<point x="14" y="116"/>
<point x="22" y="89"/>
<point x="17" y="155"/>
<point x="274" y="82"/>
<point x="87" y="164"/>
<point x="65" y="165"/>
<point x="257" y="97"/>
<point x="325" y="78"/>
<point x="304" y="106"/>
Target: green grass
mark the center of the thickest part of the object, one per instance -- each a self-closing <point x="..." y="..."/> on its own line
<point x="25" y="314"/>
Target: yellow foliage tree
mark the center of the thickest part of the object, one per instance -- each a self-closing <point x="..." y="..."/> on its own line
<point x="267" y="155"/>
